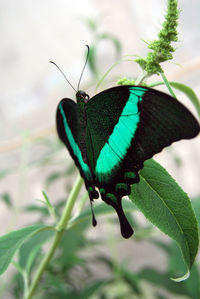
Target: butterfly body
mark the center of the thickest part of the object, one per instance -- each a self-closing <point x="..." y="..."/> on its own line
<point x="111" y="135"/>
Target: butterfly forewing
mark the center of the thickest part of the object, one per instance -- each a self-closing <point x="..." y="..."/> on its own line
<point x="70" y="132"/>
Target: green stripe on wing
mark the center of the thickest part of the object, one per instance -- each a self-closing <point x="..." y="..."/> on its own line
<point x="74" y="145"/>
<point x="119" y="141"/>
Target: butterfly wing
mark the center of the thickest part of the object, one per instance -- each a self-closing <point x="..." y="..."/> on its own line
<point x="70" y="132"/>
<point x="127" y="125"/>
<point x="163" y="120"/>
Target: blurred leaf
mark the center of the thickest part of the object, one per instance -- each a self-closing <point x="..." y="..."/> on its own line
<point x="55" y="287"/>
<point x="91" y="289"/>
<point x="162" y="279"/>
<point x="159" y="296"/>
<point x="92" y="61"/>
<point x="57" y="175"/>
<point x="132" y="279"/>
<point x="73" y="240"/>
<point x="92" y="23"/>
<point x="189" y="287"/>
<point x="30" y="248"/>
<point x="176" y="266"/>
<point x="192" y="284"/>
<point x="116" y="42"/>
<point x="5" y="172"/>
<point x="17" y="285"/>
<point x="38" y="209"/>
<point x="6" y="198"/>
<point x="53" y="177"/>
<point x="12" y="241"/>
<point x="196" y="207"/>
<point x="168" y="207"/>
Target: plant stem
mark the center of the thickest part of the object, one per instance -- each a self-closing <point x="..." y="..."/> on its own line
<point x="62" y="224"/>
<point x="141" y="78"/>
<point x="60" y="229"/>
<point x="167" y="84"/>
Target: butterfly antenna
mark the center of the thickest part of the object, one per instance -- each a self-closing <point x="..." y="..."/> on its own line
<point x="63" y="75"/>
<point x="88" y="51"/>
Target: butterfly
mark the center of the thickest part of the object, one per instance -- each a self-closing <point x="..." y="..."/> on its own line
<point x="110" y="135"/>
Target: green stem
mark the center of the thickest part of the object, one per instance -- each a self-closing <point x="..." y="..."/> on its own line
<point x="168" y="84"/>
<point x="141" y="78"/>
<point x="60" y="229"/>
<point x="69" y="205"/>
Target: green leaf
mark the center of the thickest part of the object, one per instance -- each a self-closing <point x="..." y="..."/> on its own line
<point x="12" y="241"/>
<point x="168" y="207"/>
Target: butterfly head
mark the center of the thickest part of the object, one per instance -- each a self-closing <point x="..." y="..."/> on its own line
<point x="82" y="97"/>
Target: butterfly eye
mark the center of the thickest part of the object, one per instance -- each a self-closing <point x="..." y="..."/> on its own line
<point x="82" y="95"/>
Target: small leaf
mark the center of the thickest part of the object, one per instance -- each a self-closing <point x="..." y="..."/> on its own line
<point x="168" y="207"/>
<point x="7" y="199"/>
<point x="38" y="209"/>
<point x="12" y="241"/>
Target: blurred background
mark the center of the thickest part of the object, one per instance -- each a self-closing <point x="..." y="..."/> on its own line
<point x="31" y="157"/>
